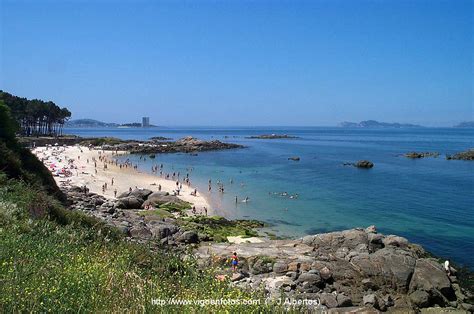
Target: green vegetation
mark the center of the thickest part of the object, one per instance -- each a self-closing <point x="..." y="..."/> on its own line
<point x="46" y="266"/>
<point x="176" y="207"/>
<point x="56" y="260"/>
<point x="36" y="117"/>
<point x="156" y="212"/>
<point x="218" y="228"/>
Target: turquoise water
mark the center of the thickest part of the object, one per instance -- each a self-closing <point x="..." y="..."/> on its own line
<point x="429" y="201"/>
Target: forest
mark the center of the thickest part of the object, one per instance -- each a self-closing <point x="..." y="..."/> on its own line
<point x="36" y="117"/>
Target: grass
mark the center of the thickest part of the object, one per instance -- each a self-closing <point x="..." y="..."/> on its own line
<point x="218" y="228"/>
<point x="156" y="212"/>
<point x="53" y="260"/>
<point x="173" y="207"/>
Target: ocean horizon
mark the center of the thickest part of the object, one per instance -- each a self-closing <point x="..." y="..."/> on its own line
<point x="428" y="201"/>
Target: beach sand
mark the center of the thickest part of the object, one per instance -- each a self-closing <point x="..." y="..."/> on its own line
<point x="58" y="157"/>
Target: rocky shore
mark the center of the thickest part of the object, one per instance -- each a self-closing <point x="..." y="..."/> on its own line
<point x="357" y="269"/>
<point x="160" y="145"/>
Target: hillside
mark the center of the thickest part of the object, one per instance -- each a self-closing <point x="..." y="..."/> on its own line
<point x="467" y="124"/>
<point x="377" y="124"/>
<point x="54" y="259"/>
<point x="89" y="123"/>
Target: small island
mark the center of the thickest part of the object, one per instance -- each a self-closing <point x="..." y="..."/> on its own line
<point x="272" y="136"/>
<point x="467" y="155"/>
<point x="466" y="124"/>
<point x="377" y="124"/>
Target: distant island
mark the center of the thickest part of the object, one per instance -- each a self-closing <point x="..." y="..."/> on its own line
<point x="91" y="123"/>
<point x="466" y="124"/>
<point x="271" y="136"/>
<point x="377" y="124"/>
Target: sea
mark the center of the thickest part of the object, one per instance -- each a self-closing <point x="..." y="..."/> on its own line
<point x="430" y="201"/>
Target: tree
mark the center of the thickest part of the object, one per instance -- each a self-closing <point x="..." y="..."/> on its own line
<point x="8" y="126"/>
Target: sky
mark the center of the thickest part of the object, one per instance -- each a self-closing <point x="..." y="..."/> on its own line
<point x="243" y="63"/>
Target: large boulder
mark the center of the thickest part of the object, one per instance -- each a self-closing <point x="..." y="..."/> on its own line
<point x="141" y="193"/>
<point x="140" y="233"/>
<point x="163" y="231"/>
<point x="189" y="237"/>
<point x="129" y="202"/>
<point x="389" y="263"/>
<point x="349" y="239"/>
<point x="420" y="298"/>
<point x="393" y="240"/>
<point x="314" y="279"/>
<point x="156" y="200"/>
<point x="430" y="276"/>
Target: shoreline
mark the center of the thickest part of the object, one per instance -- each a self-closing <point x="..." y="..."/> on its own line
<point x="82" y="172"/>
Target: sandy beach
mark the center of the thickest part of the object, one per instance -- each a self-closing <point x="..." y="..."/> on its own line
<point x="79" y="162"/>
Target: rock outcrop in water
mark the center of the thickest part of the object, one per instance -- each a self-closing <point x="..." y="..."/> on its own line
<point x="155" y="146"/>
<point x="467" y="155"/>
<point x="364" y="164"/>
<point x="416" y="155"/>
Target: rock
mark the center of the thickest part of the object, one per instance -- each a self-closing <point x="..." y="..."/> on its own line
<point x="294" y="158"/>
<point x="467" y="155"/>
<point x="141" y="193"/>
<point x="368" y="284"/>
<point x="364" y="164"/>
<point x="294" y="266"/>
<point x="468" y="307"/>
<point x="129" y="202"/>
<point x="280" y="267"/>
<point x="140" y="233"/>
<point x="189" y="237"/>
<point x="416" y="155"/>
<point x="371" y="229"/>
<point x="312" y="279"/>
<point x="388" y="263"/>
<point x="420" y="298"/>
<point x="157" y="194"/>
<point x="370" y="300"/>
<point x="395" y="241"/>
<point x="429" y="276"/>
<point x="325" y="273"/>
<point x="292" y="274"/>
<point x="259" y="265"/>
<point x="237" y="277"/>
<point x="157" y="200"/>
<point x="329" y="300"/>
<point x="164" y="231"/>
<point x="343" y="300"/>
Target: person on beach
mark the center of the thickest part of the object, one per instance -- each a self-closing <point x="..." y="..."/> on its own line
<point x="115" y="193"/>
<point x="234" y="261"/>
<point x="159" y="187"/>
<point x="236" y="200"/>
<point x="205" y="210"/>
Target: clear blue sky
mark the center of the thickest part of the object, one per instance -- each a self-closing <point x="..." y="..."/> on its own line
<point x="243" y="62"/>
